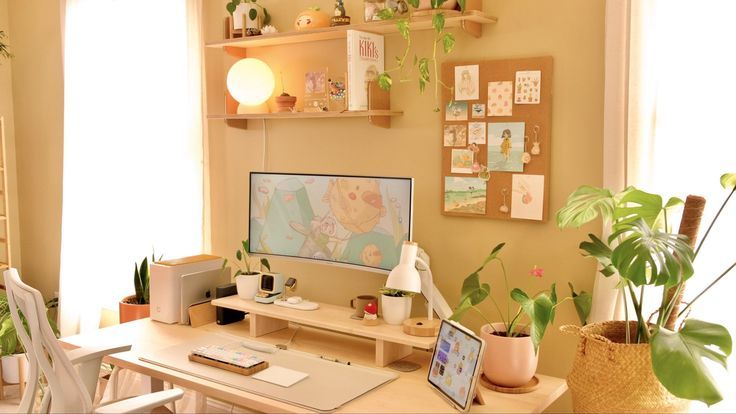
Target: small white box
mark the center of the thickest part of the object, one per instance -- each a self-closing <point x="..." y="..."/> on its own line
<point x="166" y="284"/>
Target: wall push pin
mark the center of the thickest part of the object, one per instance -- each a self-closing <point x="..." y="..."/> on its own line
<point x="504" y="208"/>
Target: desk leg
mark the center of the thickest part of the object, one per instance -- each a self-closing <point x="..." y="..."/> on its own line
<point x="262" y="325"/>
<point x="388" y="352"/>
<point x="200" y="402"/>
<point x="155" y="384"/>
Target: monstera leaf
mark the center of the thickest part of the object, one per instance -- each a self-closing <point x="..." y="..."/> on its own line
<point x="677" y="359"/>
<point x="584" y="205"/>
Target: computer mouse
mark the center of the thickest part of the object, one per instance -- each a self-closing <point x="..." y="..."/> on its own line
<point x="294" y="300"/>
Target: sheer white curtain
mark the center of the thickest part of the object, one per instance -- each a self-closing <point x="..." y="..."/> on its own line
<point x="681" y="134"/>
<point x="133" y="175"/>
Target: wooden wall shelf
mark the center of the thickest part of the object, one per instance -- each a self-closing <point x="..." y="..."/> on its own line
<point x="372" y="115"/>
<point x="470" y="21"/>
<point x="392" y="343"/>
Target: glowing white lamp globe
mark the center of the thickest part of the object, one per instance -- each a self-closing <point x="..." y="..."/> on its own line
<point x="251" y="82"/>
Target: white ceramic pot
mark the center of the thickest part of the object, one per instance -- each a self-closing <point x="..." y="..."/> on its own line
<point x="395" y="310"/>
<point x="11" y="368"/>
<point x="508" y="362"/>
<point x="426" y="5"/>
<point x="247" y="285"/>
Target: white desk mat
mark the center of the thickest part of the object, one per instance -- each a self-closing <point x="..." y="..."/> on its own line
<point x="328" y="386"/>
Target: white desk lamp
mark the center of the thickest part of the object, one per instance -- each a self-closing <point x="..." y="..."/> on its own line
<point x="250" y="81"/>
<point x="406" y="277"/>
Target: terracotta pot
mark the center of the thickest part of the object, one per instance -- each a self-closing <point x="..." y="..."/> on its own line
<point x="395" y="310"/>
<point x="508" y="361"/>
<point x="130" y="311"/>
<point x="426" y="5"/>
<point x="285" y="103"/>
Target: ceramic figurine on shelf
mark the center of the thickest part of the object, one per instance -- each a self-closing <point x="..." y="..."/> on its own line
<point x="340" y="18"/>
<point x="370" y="316"/>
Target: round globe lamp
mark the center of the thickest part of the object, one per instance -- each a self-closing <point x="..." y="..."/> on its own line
<point x="251" y="82"/>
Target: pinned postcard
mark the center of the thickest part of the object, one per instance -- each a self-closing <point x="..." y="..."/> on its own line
<point x="466" y="83"/>
<point x="465" y="195"/>
<point x="528" y="87"/>
<point x="461" y="161"/>
<point x="455" y="136"/>
<point x="499" y="98"/>
<point x="527" y="196"/>
<point x="478" y="111"/>
<point x="477" y="132"/>
<point x="505" y="146"/>
<point x="456" y="111"/>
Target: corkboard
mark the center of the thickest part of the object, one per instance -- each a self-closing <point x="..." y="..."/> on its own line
<point x="530" y="114"/>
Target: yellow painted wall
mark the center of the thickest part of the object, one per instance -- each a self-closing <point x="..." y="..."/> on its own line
<point x="571" y="31"/>
<point x="6" y="111"/>
<point x="38" y="114"/>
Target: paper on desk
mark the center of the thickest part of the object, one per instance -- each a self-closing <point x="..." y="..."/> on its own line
<point x="284" y="377"/>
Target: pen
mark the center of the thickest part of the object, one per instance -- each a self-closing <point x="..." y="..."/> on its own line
<point x="331" y="359"/>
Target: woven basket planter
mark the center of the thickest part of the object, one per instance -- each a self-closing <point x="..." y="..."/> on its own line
<point x="611" y="376"/>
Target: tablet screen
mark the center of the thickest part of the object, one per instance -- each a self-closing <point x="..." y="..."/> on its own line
<point x="455" y="363"/>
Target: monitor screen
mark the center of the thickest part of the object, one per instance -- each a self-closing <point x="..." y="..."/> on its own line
<point x="349" y="220"/>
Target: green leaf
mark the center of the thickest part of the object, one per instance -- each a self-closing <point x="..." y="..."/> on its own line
<point x="403" y="26"/>
<point x="584" y="205"/>
<point x="437" y="3"/>
<point x="648" y="256"/>
<point x="438" y="22"/>
<point x="462" y="4"/>
<point x="583" y="304"/>
<point x="414" y="3"/>
<point x="601" y="252"/>
<point x="424" y="69"/>
<point x="728" y="181"/>
<point x="264" y="263"/>
<point x="253" y="14"/>
<point x="422" y="85"/>
<point x="677" y="359"/>
<point x="386" y="13"/>
<point x="448" y="42"/>
<point x="231" y="6"/>
<point x="636" y="204"/>
<point x="239" y="255"/>
<point x="384" y="81"/>
<point x="539" y="310"/>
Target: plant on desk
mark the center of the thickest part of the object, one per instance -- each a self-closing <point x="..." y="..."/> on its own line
<point x="395" y="305"/>
<point x="512" y="344"/>
<point x="138" y="306"/>
<point x="247" y="277"/>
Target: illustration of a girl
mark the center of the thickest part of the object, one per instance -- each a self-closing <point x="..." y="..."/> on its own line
<point x="506" y="144"/>
<point x="467" y="87"/>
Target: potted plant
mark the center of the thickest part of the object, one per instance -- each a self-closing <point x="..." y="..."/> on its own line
<point x="395" y="305"/>
<point x="256" y="16"/>
<point x="138" y="306"/>
<point x="664" y="365"/>
<point x="246" y="278"/>
<point x="425" y="66"/>
<point x="512" y="344"/>
<point x="11" y="348"/>
<point x="4" y="48"/>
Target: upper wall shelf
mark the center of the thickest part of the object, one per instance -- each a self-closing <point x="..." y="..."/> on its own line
<point x="470" y="21"/>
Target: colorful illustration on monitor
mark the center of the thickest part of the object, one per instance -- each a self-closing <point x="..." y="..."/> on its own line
<point x="352" y="220"/>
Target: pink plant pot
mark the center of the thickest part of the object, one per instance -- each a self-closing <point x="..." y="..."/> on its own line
<point x="508" y="362"/>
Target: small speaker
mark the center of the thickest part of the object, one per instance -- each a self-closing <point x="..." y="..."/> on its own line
<point x="225" y="315"/>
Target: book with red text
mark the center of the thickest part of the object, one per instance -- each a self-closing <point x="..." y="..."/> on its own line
<point x="365" y="62"/>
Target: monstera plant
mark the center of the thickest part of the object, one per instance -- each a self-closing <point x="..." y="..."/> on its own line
<point x="647" y="256"/>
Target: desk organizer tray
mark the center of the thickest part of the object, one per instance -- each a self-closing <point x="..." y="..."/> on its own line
<point x="227" y="358"/>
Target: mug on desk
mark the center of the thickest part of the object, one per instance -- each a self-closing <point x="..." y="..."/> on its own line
<point x="358" y="303"/>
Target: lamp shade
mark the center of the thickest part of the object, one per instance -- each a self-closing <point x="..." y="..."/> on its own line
<point x="405" y="275"/>
<point x="250" y="81"/>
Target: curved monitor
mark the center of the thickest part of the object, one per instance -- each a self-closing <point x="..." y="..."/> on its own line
<point x="348" y="220"/>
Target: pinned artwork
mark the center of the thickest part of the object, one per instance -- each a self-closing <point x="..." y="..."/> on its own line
<point x="477" y="132"/>
<point x="466" y="83"/>
<point x="337" y="93"/>
<point x="535" y="148"/>
<point x="505" y="146"/>
<point x="462" y="161"/>
<point x="526" y="158"/>
<point x="478" y="111"/>
<point x="499" y="98"/>
<point x="504" y="208"/>
<point x="528" y="87"/>
<point x="465" y="195"/>
<point x="315" y="91"/>
<point x="527" y="196"/>
<point x="455" y="136"/>
<point x="456" y="111"/>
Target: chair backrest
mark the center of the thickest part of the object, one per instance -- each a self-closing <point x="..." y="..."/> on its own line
<point x="68" y="392"/>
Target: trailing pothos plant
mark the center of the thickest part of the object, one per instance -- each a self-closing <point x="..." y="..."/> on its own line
<point x="644" y="252"/>
<point x="535" y="312"/>
<point x="442" y="38"/>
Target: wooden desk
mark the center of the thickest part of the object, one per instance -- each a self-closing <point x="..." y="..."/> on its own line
<point x="409" y="393"/>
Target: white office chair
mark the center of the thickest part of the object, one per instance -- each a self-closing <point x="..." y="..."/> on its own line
<point x="72" y="376"/>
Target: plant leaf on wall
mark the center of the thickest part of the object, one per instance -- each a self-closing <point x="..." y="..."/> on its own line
<point x="677" y="359"/>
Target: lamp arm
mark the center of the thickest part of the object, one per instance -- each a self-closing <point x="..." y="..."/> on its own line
<point x="430" y="299"/>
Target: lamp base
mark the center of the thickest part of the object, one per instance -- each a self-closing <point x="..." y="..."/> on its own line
<point x="421" y="327"/>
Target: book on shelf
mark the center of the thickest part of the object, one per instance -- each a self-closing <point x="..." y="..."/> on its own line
<point x="365" y="62"/>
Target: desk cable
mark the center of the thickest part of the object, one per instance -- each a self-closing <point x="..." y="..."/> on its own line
<point x="286" y="345"/>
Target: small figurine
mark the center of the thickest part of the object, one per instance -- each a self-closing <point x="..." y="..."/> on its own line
<point x="339" y="18"/>
<point x="370" y="317"/>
